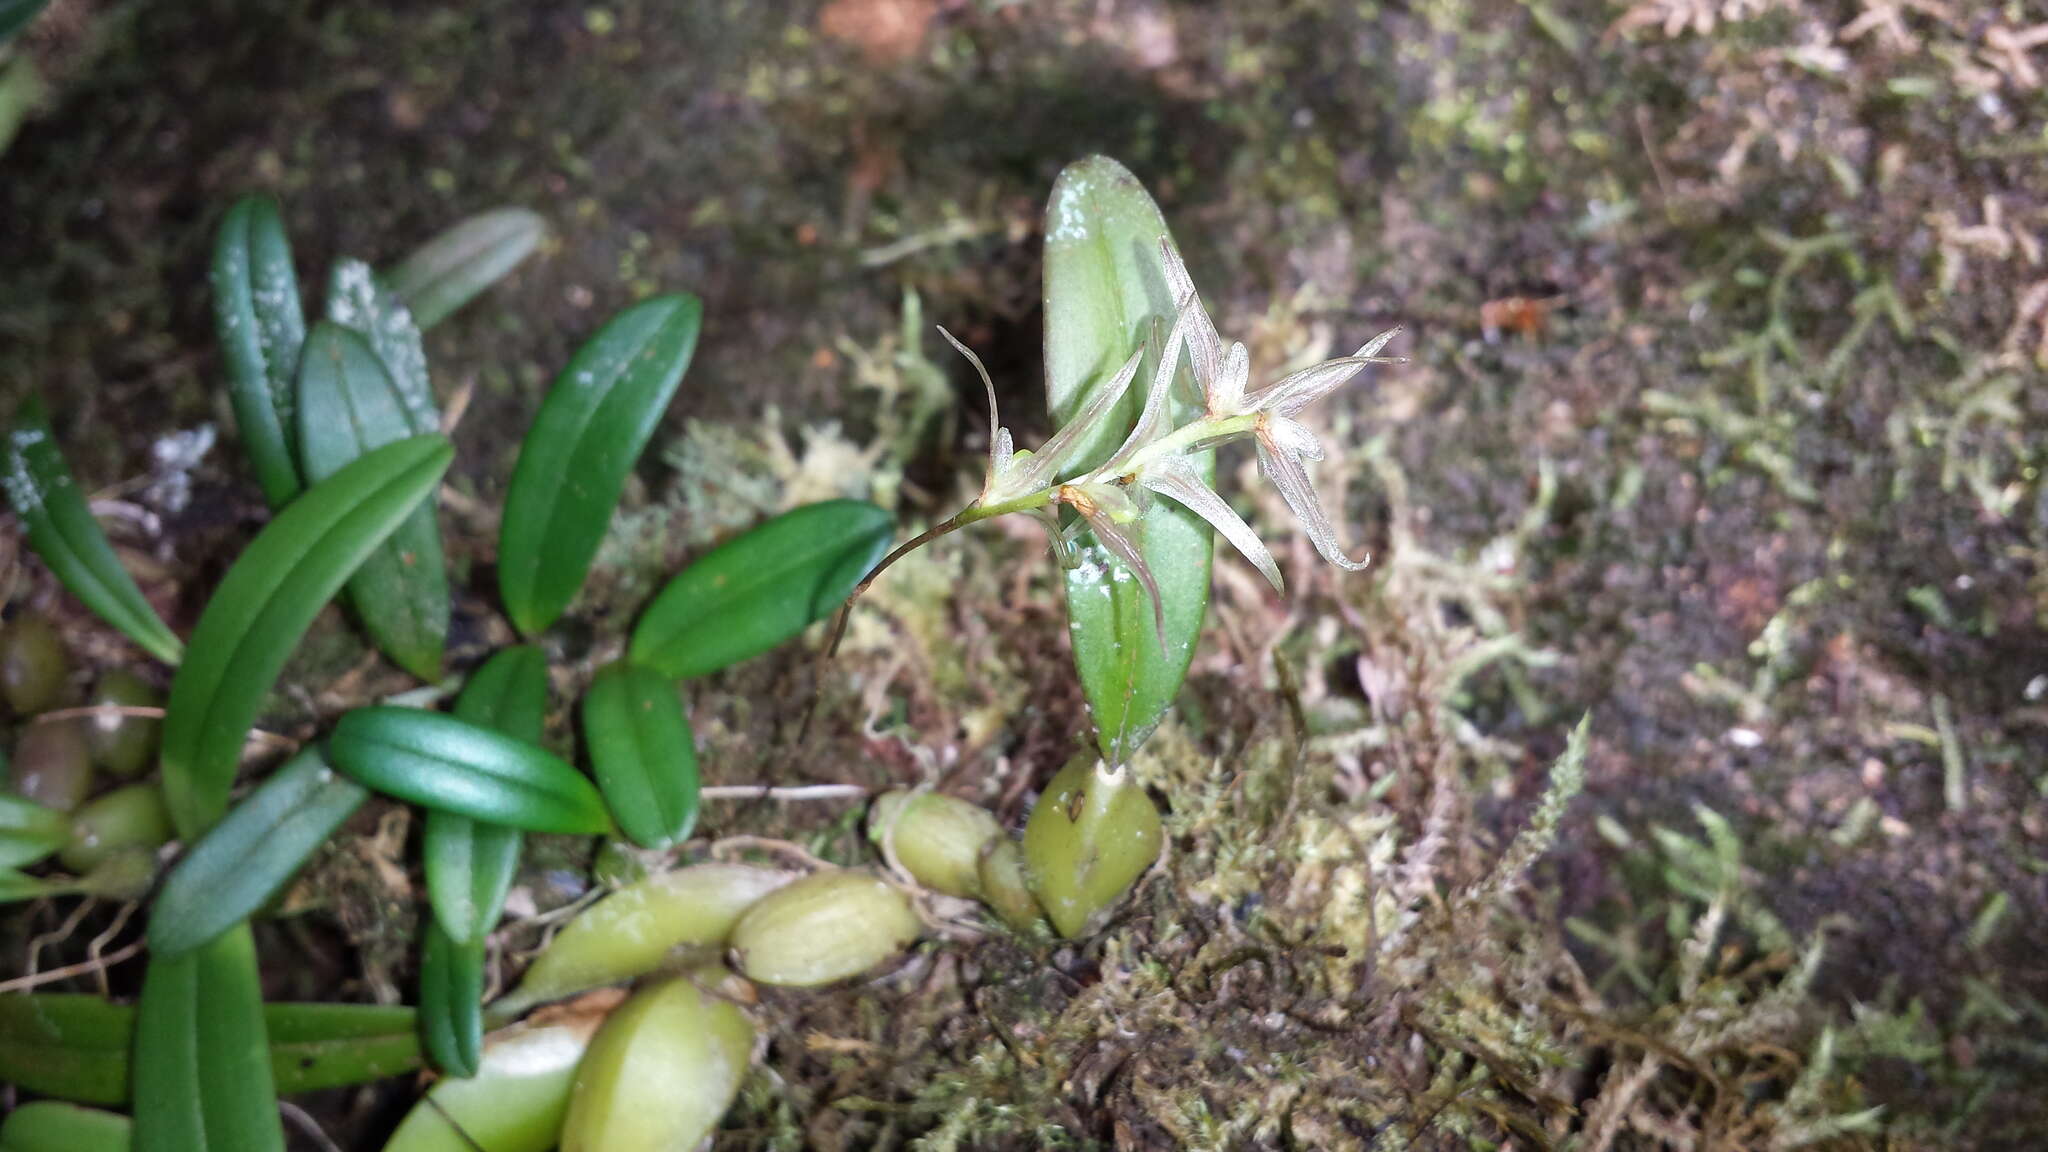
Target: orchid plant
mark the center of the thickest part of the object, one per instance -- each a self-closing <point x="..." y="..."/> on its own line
<point x="1153" y="459"/>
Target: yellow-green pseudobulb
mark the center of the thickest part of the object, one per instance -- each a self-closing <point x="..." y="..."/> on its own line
<point x="644" y="927"/>
<point x="825" y="927"/>
<point x="662" y="1070"/>
<point x="1093" y="833"/>
<point x="937" y="839"/>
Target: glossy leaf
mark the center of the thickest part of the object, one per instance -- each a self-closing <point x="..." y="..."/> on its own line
<point x="260" y="324"/>
<point x="470" y="865"/>
<point x="247" y="858"/>
<point x="264" y="605"/>
<point x="642" y="753"/>
<point x="355" y="300"/>
<point x="61" y="530"/>
<point x="319" y="1046"/>
<point x="441" y="762"/>
<point x="573" y="464"/>
<point x="29" y="831"/>
<point x="761" y="588"/>
<point x="76" y="1047"/>
<point x="516" y="1101"/>
<point x="642" y="928"/>
<point x="458" y="265"/>
<point x="202" y="1063"/>
<point x="348" y="407"/>
<point x="53" y="1126"/>
<point x="1104" y="298"/>
<point x="451" y="1000"/>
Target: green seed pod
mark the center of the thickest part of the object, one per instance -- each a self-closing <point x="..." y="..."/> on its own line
<point x="33" y="666"/>
<point x="937" y="838"/>
<point x="825" y="927"/>
<point x="514" y="1103"/>
<point x="131" y="817"/>
<point x="661" y="1072"/>
<point x="1004" y="886"/>
<point x="123" y="745"/>
<point x="640" y="929"/>
<point x="1092" y="835"/>
<point x="52" y="765"/>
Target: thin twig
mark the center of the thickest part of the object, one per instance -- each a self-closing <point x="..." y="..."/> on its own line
<point x="100" y="942"/>
<point x="839" y="618"/>
<point x="787" y="795"/>
<point x="304" y="1121"/>
<point x="82" y="968"/>
<point x="794" y="851"/>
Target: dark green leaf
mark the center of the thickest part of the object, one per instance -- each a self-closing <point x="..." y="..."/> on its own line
<point x="451" y="1001"/>
<point x="761" y="588"/>
<point x="1104" y="297"/>
<point x="257" y="315"/>
<point x="470" y="865"/>
<point x="53" y="1126"/>
<point x="642" y="753"/>
<point x="29" y="831"/>
<point x="349" y="407"/>
<point x="202" y="1064"/>
<point x="246" y="859"/>
<point x="265" y="603"/>
<point x="319" y="1046"/>
<point x="439" y="761"/>
<point x="15" y="15"/>
<point x="573" y="463"/>
<point x="355" y="300"/>
<point x="458" y="265"/>
<point x="75" y="1047"/>
<point x="62" y="531"/>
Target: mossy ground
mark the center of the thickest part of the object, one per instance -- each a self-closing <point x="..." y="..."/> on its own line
<point x="1723" y="424"/>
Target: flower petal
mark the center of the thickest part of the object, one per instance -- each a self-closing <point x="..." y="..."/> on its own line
<point x="1292" y="480"/>
<point x="1205" y="347"/>
<point x="999" y="441"/>
<point x="1048" y="460"/>
<point x="1226" y="392"/>
<point x="1112" y="536"/>
<point x="1294" y="438"/>
<point x="1296" y="391"/>
<point x="1175" y="477"/>
<point x="1155" y="400"/>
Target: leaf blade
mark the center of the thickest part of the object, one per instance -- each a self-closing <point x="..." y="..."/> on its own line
<point x="248" y="856"/>
<point x="442" y="762"/>
<point x="572" y="467"/>
<point x="76" y="1047"/>
<point x="642" y="753"/>
<point x="1105" y="296"/>
<point x="460" y="263"/>
<point x="60" y="528"/>
<point x="202" y="1062"/>
<point x="348" y="407"/>
<point x="264" y="605"/>
<point x="451" y="1001"/>
<point x="261" y="327"/>
<point x="469" y="865"/>
<point x="760" y="588"/>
